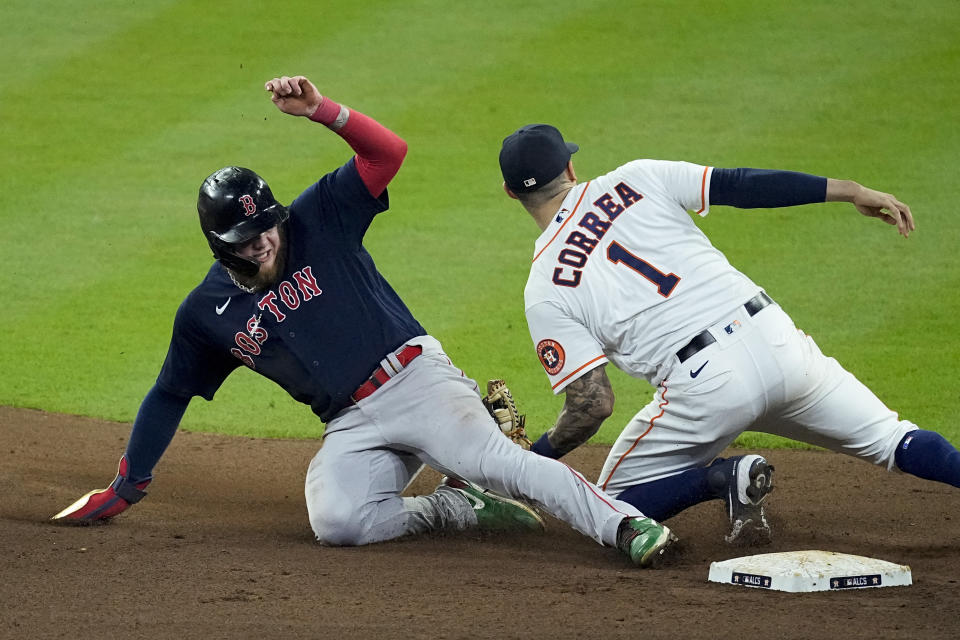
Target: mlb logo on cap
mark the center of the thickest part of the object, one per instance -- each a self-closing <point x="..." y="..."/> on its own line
<point x="534" y="155"/>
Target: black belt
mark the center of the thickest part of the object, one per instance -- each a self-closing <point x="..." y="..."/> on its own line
<point x="705" y="339"/>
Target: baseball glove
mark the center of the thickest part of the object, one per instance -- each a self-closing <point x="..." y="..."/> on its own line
<point x="499" y="402"/>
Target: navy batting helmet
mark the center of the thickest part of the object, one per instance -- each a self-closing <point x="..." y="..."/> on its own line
<point x="235" y="206"/>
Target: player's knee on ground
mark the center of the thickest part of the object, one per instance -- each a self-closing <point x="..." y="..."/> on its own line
<point x="337" y="524"/>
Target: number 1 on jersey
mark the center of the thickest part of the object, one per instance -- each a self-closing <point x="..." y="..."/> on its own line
<point x="666" y="282"/>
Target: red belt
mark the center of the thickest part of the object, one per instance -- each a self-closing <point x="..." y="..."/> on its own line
<point x="405" y="356"/>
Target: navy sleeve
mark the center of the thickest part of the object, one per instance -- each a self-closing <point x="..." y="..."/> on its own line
<point x="160" y="414"/>
<point x="765" y="188"/>
<point x="342" y="202"/>
<point x="193" y="367"/>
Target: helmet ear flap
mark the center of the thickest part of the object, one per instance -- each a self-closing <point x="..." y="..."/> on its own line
<point x="223" y="252"/>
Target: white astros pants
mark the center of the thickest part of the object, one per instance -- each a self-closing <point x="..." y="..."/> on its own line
<point x="431" y="413"/>
<point x="762" y="374"/>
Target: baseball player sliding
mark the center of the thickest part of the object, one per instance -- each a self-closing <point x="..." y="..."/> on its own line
<point x="294" y="296"/>
<point x="621" y="274"/>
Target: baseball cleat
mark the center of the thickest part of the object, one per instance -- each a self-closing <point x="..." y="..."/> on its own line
<point x="644" y="541"/>
<point x="751" y="482"/>
<point x="495" y="512"/>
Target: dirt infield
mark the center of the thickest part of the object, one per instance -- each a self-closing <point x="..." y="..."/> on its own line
<point x="221" y="548"/>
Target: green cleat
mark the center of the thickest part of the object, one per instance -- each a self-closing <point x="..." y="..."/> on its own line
<point x="644" y="541"/>
<point x="496" y="512"/>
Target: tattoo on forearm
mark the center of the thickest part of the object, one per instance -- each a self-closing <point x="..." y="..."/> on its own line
<point x="589" y="401"/>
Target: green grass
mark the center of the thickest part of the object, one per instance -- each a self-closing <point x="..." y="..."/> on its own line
<point x="111" y="117"/>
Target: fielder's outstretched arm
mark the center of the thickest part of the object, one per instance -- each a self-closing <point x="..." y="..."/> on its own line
<point x="747" y="188"/>
<point x="872" y="203"/>
<point x="587" y="403"/>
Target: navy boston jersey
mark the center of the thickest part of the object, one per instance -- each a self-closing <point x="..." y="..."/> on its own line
<point x="318" y="332"/>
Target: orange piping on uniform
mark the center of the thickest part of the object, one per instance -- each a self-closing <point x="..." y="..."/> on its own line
<point x="575" y="207"/>
<point x="578" y="369"/>
<point x="703" y="191"/>
<point x="642" y="435"/>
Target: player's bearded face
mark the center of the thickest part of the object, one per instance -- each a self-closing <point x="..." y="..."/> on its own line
<point x="267" y="249"/>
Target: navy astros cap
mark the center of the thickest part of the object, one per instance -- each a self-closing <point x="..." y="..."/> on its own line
<point x="532" y="156"/>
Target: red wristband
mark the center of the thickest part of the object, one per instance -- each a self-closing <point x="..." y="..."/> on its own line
<point x="327" y="112"/>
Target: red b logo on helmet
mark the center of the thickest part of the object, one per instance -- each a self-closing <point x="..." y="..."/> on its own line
<point x="248" y="205"/>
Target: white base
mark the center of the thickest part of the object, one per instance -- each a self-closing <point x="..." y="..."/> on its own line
<point x="804" y="571"/>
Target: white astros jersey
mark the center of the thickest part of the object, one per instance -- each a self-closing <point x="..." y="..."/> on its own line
<point x="623" y="274"/>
